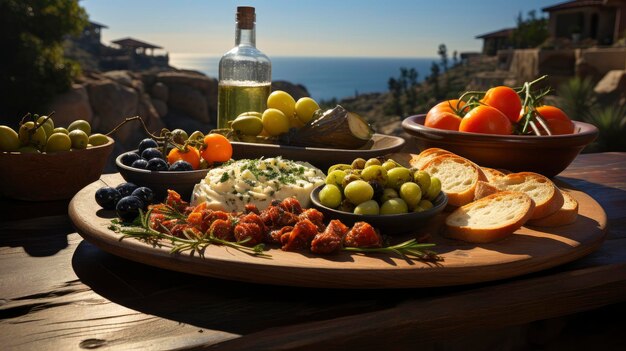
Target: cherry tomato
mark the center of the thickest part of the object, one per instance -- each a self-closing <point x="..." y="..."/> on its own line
<point x="486" y="119"/>
<point x="216" y="148"/>
<point x="506" y="100"/>
<point x="557" y="120"/>
<point x="191" y="155"/>
<point x="443" y="115"/>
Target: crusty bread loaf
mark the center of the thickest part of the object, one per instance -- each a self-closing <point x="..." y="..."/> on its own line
<point x="547" y="197"/>
<point x="427" y="155"/>
<point x="491" y="218"/>
<point x="484" y="189"/>
<point x="458" y="177"/>
<point x="567" y="214"/>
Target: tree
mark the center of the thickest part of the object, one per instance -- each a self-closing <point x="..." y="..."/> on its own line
<point x="32" y="67"/>
<point x="530" y="32"/>
<point x="443" y="53"/>
<point x="434" y="79"/>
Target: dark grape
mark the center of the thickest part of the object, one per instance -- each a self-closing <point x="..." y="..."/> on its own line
<point x="107" y="197"/>
<point x="152" y="153"/>
<point x="145" y="194"/>
<point x="129" y="157"/>
<point x="140" y="163"/>
<point x="181" y="165"/>
<point x="378" y="189"/>
<point x="128" y="208"/>
<point x="145" y="144"/>
<point x="157" y="164"/>
<point x="126" y="189"/>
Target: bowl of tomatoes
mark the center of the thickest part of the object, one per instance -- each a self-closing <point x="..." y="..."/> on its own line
<point x="501" y="129"/>
<point x="178" y="167"/>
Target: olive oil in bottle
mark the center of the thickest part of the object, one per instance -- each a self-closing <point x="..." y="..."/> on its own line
<point x="245" y="73"/>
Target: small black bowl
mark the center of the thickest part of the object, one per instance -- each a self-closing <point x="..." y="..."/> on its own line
<point x="395" y="224"/>
<point x="182" y="182"/>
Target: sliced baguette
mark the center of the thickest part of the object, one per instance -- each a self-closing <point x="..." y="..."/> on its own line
<point x="567" y="214"/>
<point x="492" y="174"/>
<point x="547" y="197"/>
<point x="458" y="177"/>
<point x="427" y="155"/>
<point x="491" y="218"/>
<point x="484" y="189"/>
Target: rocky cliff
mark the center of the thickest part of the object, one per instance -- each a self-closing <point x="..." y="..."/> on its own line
<point x="163" y="99"/>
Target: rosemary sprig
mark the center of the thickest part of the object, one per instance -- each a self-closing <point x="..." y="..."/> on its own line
<point x="195" y="244"/>
<point x="408" y="249"/>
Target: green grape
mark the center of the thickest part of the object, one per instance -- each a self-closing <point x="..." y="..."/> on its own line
<point x="375" y="173"/>
<point x="80" y="124"/>
<point x="394" y="206"/>
<point x="60" y="130"/>
<point x="389" y="164"/>
<point x="358" y="191"/>
<point x="48" y="126"/>
<point x="98" y="139"/>
<point x="369" y="207"/>
<point x="411" y="194"/>
<point x="422" y="179"/>
<point x="305" y="109"/>
<point x="336" y="177"/>
<point x="389" y="193"/>
<point x="28" y="135"/>
<point x="398" y="176"/>
<point x="248" y="125"/>
<point x="79" y="139"/>
<point x="330" y="196"/>
<point x="275" y="122"/>
<point x="358" y="163"/>
<point x="9" y="140"/>
<point x="179" y="136"/>
<point x="434" y="189"/>
<point x="372" y="162"/>
<point x="423" y="206"/>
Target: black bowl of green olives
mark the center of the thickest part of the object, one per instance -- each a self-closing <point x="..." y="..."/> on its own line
<point x="392" y="198"/>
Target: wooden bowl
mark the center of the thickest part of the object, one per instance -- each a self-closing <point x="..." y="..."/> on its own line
<point x="396" y="224"/>
<point x="161" y="181"/>
<point x="51" y="176"/>
<point x="547" y="155"/>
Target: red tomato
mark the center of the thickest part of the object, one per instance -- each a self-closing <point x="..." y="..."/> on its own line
<point x="557" y="120"/>
<point x="486" y="119"/>
<point x="506" y="100"/>
<point x="217" y="148"/>
<point x="191" y="155"/>
<point x="443" y="115"/>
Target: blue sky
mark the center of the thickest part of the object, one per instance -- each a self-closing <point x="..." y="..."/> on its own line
<point x="391" y="28"/>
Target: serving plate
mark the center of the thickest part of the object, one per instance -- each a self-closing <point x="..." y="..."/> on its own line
<point x="528" y="250"/>
<point x="322" y="158"/>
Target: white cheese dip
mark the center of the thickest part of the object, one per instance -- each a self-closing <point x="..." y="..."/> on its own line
<point x="237" y="183"/>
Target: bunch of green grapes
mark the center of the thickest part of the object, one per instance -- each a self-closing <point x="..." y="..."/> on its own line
<point x="377" y="186"/>
<point x="283" y="112"/>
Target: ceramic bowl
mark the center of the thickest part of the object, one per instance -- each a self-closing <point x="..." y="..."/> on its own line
<point x="547" y="155"/>
<point x="161" y="181"/>
<point x="51" y="176"/>
<point x="396" y="224"/>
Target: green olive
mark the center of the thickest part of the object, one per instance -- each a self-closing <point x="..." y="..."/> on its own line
<point x="9" y="140"/>
<point x="248" y="125"/>
<point x="58" y="142"/>
<point x="98" y="139"/>
<point x="28" y="135"/>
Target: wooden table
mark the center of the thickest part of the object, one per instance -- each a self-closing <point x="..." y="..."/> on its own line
<point x="59" y="292"/>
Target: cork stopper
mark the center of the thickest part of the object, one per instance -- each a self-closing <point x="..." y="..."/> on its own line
<point x="245" y="17"/>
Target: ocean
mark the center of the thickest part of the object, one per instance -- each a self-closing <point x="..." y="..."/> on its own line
<point x="324" y="77"/>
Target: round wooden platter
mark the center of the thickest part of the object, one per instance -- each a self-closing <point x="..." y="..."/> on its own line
<point x="528" y="250"/>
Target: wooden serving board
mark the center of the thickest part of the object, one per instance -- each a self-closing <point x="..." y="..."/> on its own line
<point x="528" y="250"/>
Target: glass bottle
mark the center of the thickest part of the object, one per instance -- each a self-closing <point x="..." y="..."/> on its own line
<point x="245" y="73"/>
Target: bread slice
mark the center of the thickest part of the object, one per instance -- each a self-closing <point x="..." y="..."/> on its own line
<point x="458" y="177"/>
<point x="484" y="189"/>
<point x="427" y="155"/>
<point x="492" y="174"/>
<point x="491" y="218"/>
<point x="567" y="214"/>
<point x="547" y="197"/>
